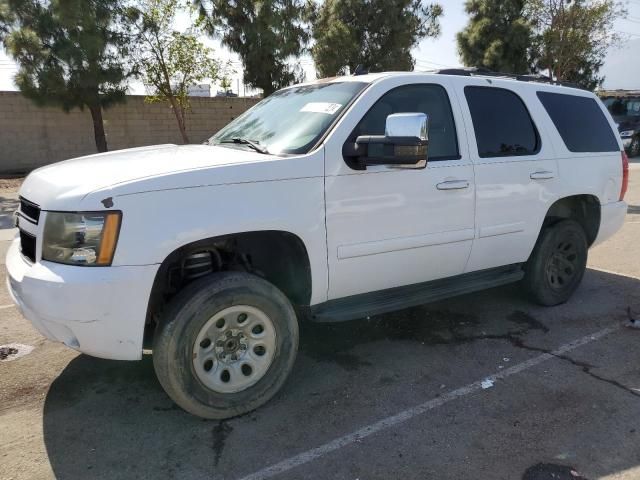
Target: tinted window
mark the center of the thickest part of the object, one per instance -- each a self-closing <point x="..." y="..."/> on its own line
<point x="580" y="122"/>
<point x="501" y="122"/>
<point x="429" y="99"/>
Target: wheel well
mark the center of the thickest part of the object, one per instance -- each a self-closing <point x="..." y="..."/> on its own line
<point x="277" y="256"/>
<point x="585" y="209"/>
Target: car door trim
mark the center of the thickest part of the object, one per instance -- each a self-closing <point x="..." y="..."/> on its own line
<point x="403" y="243"/>
<point x="501" y="229"/>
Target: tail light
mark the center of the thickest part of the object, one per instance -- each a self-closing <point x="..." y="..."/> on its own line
<point x="625" y="175"/>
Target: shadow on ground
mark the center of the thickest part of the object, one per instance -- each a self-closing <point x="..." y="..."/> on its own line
<point x="7" y="207"/>
<point x="108" y="419"/>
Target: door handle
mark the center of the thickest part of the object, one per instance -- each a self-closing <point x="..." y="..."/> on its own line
<point x="453" y="185"/>
<point x="542" y="175"/>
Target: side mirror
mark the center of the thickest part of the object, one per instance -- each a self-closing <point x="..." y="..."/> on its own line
<point x="404" y="143"/>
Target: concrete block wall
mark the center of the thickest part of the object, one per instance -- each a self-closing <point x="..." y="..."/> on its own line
<point x="32" y="136"/>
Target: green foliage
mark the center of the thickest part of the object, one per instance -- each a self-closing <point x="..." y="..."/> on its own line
<point x="68" y="52"/>
<point x="6" y="18"/>
<point x="169" y="61"/>
<point x="571" y="38"/>
<point x="378" y="34"/>
<point x="225" y="83"/>
<point x="497" y="36"/>
<point x="266" y="34"/>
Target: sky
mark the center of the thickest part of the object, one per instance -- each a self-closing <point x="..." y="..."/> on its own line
<point x="621" y="68"/>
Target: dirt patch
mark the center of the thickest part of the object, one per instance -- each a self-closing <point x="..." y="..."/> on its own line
<point x="11" y="184"/>
<point x="13" y="351"/>
<point x="6" y="352"/>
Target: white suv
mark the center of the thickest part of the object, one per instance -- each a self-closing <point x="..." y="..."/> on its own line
<point x="331" y="200"/>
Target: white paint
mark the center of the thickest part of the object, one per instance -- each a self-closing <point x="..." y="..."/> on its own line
<point x="404" y="243"/>
<point x="94" y="310"/>
<point x="3" y="307"/>
<point x="486" y="383"/>
<point x="494" y="230"/>
<point x="399" y="418"/>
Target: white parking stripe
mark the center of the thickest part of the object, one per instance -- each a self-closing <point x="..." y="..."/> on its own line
<point x="402" y="417"/>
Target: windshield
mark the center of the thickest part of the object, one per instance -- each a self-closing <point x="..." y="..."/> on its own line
<point x="290" y="120"/>
<point x="623" y="107"/>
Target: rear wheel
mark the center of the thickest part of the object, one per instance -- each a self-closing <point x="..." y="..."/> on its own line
<point x="226" y="345"/>
<point x="557" y="264"/>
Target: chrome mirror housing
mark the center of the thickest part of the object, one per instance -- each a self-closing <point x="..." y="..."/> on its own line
<point x="407" y="125"/>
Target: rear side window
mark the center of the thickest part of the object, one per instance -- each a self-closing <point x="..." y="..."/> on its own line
<point x="501" y="122"/>
<point x="580" y="122"/>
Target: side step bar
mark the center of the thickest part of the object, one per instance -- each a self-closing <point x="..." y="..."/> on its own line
<point x="383" y="301"/>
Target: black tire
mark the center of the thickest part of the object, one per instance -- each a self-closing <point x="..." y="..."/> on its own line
<point x="557" y="263"/>
<point x="173" y="343"/>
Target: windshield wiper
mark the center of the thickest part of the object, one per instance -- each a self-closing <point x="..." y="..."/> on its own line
<point x="250" y="143"/>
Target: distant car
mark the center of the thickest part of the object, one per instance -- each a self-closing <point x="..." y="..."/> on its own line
<point x="624" y="107"/>
<point x="227" y="93"/>
<point x="337" y="199"/>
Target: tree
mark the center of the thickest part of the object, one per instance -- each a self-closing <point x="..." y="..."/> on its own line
<point x="497" y="36"/>
<point x="572" y="37"/>
<point x="266" y="34"/>
<point x="169" y="61"/>
<point x="69" y="54"/>
<point x="225" y="83"/>
<point x="378" y="34"/>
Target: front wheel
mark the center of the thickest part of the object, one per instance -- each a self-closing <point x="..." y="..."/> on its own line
<point x="557" y="264"/>
<point x="226" y="345"/>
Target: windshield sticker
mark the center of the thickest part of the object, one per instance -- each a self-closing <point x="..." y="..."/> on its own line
<point x="321" y="107"/>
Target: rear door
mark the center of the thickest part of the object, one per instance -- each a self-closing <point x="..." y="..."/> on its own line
<point x="515" y="170"/>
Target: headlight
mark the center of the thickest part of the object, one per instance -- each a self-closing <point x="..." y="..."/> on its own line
<point x="83" y="238"/>
<point x="626" y="133"/>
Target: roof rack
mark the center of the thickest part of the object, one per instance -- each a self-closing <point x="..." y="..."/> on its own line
<point x="483" y="72"/>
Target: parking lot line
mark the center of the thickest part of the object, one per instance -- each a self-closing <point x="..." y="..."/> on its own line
<point x="392" y="421"/>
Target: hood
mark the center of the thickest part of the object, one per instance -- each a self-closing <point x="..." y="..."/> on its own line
<point x="54" y="186"/>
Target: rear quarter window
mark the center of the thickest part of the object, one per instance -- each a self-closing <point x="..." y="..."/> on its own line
<point x="580" y="122"/>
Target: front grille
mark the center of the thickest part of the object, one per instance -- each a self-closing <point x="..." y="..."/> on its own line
<point x="29" y="210"/>
<point x="28" y="245"/>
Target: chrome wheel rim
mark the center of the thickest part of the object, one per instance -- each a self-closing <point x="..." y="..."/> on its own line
<point x="234" y="349"/>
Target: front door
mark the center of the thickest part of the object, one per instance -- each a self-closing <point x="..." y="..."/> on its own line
<point x="389" y="227"/>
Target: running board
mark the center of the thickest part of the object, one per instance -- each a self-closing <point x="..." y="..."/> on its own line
<point x="383" y="301"/>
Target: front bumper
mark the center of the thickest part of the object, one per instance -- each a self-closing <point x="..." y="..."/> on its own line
<point x="99" y="311"/>
<point x="612" y="217"/>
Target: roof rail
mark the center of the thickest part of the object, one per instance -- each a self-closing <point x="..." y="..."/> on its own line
<point x="483" y="72"/>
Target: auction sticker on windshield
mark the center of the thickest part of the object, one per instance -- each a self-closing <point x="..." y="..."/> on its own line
<point x="321" y="107"/>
